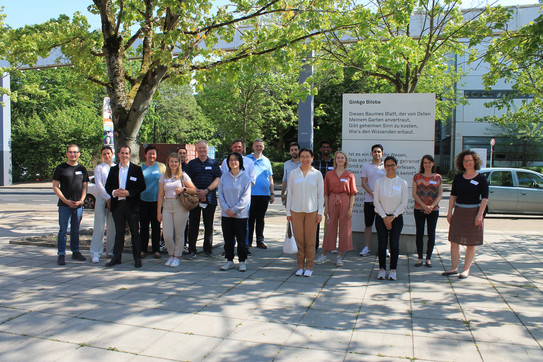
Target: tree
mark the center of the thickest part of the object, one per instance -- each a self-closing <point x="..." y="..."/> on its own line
<point x="175" y="117"/>
<point x="516" y="57"/>
<point x="252" y="100"/>
<point x="408" y="44"/>
<point x="144" y="42"/>
<point x="48" y="116"/>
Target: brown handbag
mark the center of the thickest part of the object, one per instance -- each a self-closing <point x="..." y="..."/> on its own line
<point x="188" y="201"/>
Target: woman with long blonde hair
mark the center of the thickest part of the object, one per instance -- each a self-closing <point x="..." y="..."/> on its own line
<point x="174" y="216"/>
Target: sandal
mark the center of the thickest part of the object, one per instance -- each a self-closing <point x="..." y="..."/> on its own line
<point x="428" y="264"/>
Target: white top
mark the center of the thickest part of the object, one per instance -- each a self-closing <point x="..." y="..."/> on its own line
<point x="248" y="166"/>
<point x="306" y="193"/>
<point x="390" y="196"/>
<point x="172" y="184"/>
<point x="123" y="175"/>
<point x="373" y="173"/>
<point x="100" y="177"/>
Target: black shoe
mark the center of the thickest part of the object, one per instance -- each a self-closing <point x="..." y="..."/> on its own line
<point x="137" y="264"/>
<point x="190" y="255"/>
<point x="417" y="264"/>
<point x="78" y="256"/>
<point x="185" y="253"/>
<point x="261" y="245"/>
<point x="61" y="260"/>
<point x="113" y="262"/>
<point x="249" y="252"/>
<point x="209" y="255"/>
<point x="447" y="273"/>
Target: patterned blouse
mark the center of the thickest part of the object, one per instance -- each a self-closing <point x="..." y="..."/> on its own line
<point x="427" y="188"/>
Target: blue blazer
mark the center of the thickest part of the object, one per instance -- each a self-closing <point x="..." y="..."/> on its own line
<point x="135" y="185"/>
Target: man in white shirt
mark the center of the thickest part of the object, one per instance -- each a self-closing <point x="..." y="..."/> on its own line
<point x="371" y="172"/>
<point x="102" y="209"/>
<point x="290" y="165"/>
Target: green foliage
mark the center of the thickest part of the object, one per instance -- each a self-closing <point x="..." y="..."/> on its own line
<point x="278" y="169"/>
<point x="249" y="100"/>
<point x="175" y="117"/>
<point x="47" y="116"/>
<point x="517" y="58"/>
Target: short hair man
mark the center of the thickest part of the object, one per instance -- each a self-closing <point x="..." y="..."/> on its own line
<point x="261" y="193"/>
<point x="323" y="164"/>
<point x="70" y="182"/>
<point x="182" y="153"/>
<point x="205" y="173"/>
<point x="371" y="172"/>
<point x="238" y="146"/>
<point x="102" y="208"/>
<point x="293" y="163"/>
<point x="124" y="184"/>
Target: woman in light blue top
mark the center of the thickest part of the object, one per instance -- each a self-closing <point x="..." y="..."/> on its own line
<point x="234" y="197"/>
<point x="152" y="171"/>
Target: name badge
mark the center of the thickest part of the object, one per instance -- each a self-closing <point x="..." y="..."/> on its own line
<point x="380" y="172"/>
<point x="330" y="168"/>
<point x="155" y="172"/>
<point x="474" y="182"/>
<point x="132" y="178"/>
<point x="298" y="180"/>
<point x="433" y="182"/>
<point x="343" y="180"/>
<point x="208" y="168"/>
<point x="397" y="188"/>
<point x="78" y="172"/>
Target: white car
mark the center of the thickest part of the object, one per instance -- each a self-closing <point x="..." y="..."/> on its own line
<point x="92" y="193"/>
<point x="514" y="191"/>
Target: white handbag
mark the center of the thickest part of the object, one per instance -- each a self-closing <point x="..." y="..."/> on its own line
<point x="289" y="247"/>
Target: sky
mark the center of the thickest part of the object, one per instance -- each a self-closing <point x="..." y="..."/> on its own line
<point x="18" y="13"/>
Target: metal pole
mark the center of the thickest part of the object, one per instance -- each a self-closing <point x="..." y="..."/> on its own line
<point x="305" y="112"/>
<point x="5" y="135"/>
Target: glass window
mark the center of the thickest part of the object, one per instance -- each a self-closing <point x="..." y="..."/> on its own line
<point x="530" y="180"/>
<point x="501" y="178"/>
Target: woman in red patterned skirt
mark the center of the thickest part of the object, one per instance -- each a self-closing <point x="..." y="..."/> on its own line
<point x="467" y="204"/>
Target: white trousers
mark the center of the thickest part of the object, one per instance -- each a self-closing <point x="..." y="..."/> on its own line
<point x="101" y="216"/>
<point x="174" y="220"/>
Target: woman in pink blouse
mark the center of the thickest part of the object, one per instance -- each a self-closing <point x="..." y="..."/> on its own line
<point x="339" y="193"/>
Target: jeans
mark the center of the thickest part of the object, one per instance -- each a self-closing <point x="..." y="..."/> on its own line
<point x="234" y="227"/>
<point x="383" y="235"/>
<point x="420" y="219"/>
<point x="257" y="212"/>
<point x="73" y="217"/>
<point x="101" y="214"/>
<point x="148" y="211"/>
<point x="194" y="227"/>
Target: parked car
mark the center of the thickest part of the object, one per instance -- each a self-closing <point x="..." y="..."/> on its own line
<point x="514" y="191"/>
<point x="92" y="193"/>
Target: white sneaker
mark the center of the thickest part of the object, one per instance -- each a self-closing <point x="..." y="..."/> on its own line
<point x="321" y="259"/>
<point x="365" y="252"/>
<point x="299" y="272"/>
<point x="95" y="259"/>
<point x="388" y="254"/>
<point x="228" y="265"/>
<point x="382" y="274"/>
<point x="308" y="273"/>
<point x="242" y="266"/>
<point x="175" y="263"/>
<point x="169" y="261"/>
<point x="339" y="262"/>
<point x="334" y="251"/>
<point x="392" y="275"/>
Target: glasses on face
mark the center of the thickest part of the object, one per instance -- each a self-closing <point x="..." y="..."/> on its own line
<point x="390" y="165"/>
<point x="468" y="161"/>
<point x="305" y="157"/>
<point x="73" y="152"/>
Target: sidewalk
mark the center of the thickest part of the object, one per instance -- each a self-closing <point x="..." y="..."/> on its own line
<point x="196" y="312"/>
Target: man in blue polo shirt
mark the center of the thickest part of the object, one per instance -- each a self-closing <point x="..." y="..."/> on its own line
<point x="261" y="193"/>
<point x="205" y="174"/>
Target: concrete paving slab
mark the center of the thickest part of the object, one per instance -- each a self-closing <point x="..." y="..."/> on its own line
<point x="445" y="349"/>
<point x="32" y="323"/>
<point x="156" y="319"/>
<point x="305" y="354"/>
<point x="382" y="344"/>
<point x="502" y="333"/>
<point x="344" y="320"/>
<point x="126" y="338"/>
<point x="320" y="339"/>
<point x="504" y="351"/>
<point x="208" y="325"/>
<point x="234" y="350"/>
<point x="182" y="347"/>
<point x="262" y="332"/>
<point x="35" y="348"/>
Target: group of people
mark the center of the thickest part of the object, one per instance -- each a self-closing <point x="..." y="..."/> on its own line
<point x="311" y="190"/>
